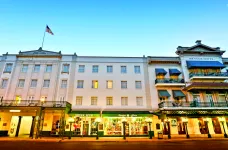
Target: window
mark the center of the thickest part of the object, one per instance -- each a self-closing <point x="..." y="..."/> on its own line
<point x="109" y="84"/>
<point x="24" y="68"/>
<point x="8" y="67"/>
<point x="66" y="68"/>
<point x="109" y="101"/>
<point x="36" y="68"/>
<point x="78" y="100"/>
<point x="18" y="99"/>
<point x="123" y="84"/>
<point x="80" y="84"/>
<point x="46" y="83"/>
<point x="21" y="83"/>
<point x="138" y="84"/>
<point x="33" y="83"/>
<point x="124" y="101"/>
<point x="139" y="101"/>
<point x="94" y="84"/>
<point x="123" y="69"/>
<point x="30" y="99"/>
<point x="48" y="68"/>
<point x="95" y="69"/>
<point x="62" y="99"/>
<point x="64" y="84"/>
<point x="81" y="68"/>
<point x="93" y="100"/>
<point x="109" y="69"/>
<point x="137" y="69"/>
<point x="4" y="83"/>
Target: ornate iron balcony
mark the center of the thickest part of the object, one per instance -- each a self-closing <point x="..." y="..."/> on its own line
<point x="32" y="103"/>
<point x="168" y="80"/>
<point x="212" y="74"/>
<point x="173" y="104"/>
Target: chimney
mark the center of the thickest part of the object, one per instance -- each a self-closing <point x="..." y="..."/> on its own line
<point x="198" y="42"/>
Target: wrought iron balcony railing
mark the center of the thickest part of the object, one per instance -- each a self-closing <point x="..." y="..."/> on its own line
<point x="170" y="104"/>
<point x="213" y="74"/>
<point x="34" y="103"/>
<point x="168" y="80"/>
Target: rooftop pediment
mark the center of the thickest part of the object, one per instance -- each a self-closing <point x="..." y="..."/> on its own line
<point x="39" y="52"/>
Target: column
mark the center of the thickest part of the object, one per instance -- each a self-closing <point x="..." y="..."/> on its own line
<point x="32" y="127"/>
<point x="18" y="126"/>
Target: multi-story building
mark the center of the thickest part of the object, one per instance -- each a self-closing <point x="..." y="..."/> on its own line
<point x="41" y="89"/>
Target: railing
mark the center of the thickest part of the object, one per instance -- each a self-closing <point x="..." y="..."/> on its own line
<point x="192" y="104"/>
<point x="168" y="80"/>
<point x="213" y="74"/>
<point x="34" y="103"/>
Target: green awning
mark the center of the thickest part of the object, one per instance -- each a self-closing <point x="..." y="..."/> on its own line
<point x="178" y="93"/>
<point x="163" y="93"/>
<point x="85" y="113"/>
<point x="126" y="114"/>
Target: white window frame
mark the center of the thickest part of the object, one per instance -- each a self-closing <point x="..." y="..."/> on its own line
<point x="24" y="68"/>
<point x="107" y="84"/>
<point x="64" y="84"/>
<point x="94" y="100"/>
<point x="46" y="85"/>
<point x="95" y="69"/>
<point x="139" y="101"/>
<point x="79" y="100"/>
<point x="138" y="84"/>
<point x="124" y="101"/>
<point x="66" y="68"/>
<point x="80" y="84"/>
<point x="48" y="68"/>
<point x="33" y="85"/>
<point x="81" y="68"/>
<point x="109" y="69"/>
<point x="123" y="69"/>
<point x="21" y="83"/>
<point x="123" y="84"/>
<point x="93" y="84"/>
<point x="4" y="83"/>
<point x="137" y="69"/>
<point x="8" y="67"/>
<point x="36" y="68"/>
<point x="109" y="101"/>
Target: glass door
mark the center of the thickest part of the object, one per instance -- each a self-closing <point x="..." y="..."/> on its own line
<point x="216" y="126"/>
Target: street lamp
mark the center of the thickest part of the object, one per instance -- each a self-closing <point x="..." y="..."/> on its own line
<point x="70" y="120"/>
<point x="208" y="132"/>
<point x="168" y="123"/>
<point x="185" y="121"/>
<point x="97" y="120"/>
<point x="124" y="121"/>
<point x="222" y="120"/>
<point x="149" y="120"/>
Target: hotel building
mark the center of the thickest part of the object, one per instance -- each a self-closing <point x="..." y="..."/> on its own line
<point x="40" y="90"/>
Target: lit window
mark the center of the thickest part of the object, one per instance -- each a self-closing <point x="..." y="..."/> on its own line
<point x="46" y="83"/>
<point x="137" y="69"/>
<point x="43" y="98"/>
<point x="109" y="69"/>
<point x="33" y="83"/>
<point x="124" y="101"/>
<point x="66" y="68"/>
<point x="93" y="100"/>
<point x="21" y="83"/>
<point x="8" y="68"/>
<point x="36" y="68"/>
<point x="138" y="84"/>
<point x="24" y="68"/>
<point x="123" y="69"/>
<point x="4" y="83"/>
<point x="94" y="84"/>
<point x="139" y="101"/>
<point x="78" y="100"/>
<point x="109" y="101"/>
<point x="49" y="68"/>
<point x="95" y="69"/>
<point x="64" y="84"/>
<point x="123" y="84"/>
<point x="80" y="84"/>
<point x="18" y="99"/>
<point x="81" y="68"/>
<point x="109" y="84"/>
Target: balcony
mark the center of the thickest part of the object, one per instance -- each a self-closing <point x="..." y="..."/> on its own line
<point x="169" y="82"/>
<point x="32" y="103"/>
<point x="213" y="75"/>
<point x="192" y="105"/>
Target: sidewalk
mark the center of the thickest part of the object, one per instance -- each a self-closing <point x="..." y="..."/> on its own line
<point x="106" y="139"/>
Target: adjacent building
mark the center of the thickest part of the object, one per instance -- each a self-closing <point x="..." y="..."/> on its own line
<point x="182" y="95"/>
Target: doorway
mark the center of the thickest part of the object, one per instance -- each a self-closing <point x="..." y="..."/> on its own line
<point x="203" y="126"/>
<point x="166" y="128"/>
<point x="85" y="128"/>
<point x="181" y="126"/>
<point x="216" y="126"/>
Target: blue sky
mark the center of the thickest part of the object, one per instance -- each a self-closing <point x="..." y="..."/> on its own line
<point x="113" y="27"/>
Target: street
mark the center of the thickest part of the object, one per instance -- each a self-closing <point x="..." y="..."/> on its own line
<point x="153" y="145"/>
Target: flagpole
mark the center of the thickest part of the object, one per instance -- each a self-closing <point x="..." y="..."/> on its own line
<point x="43" y="38"/>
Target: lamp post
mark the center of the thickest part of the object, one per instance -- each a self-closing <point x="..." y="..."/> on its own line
<point x="70" y="120"/>
<point x="97" y="120"/>
<point x="149" y="121"/>
<point x="168" y="123"/>
<point x="222" y="120"/>
<point x="208" y="132"/>
<point x="185" y="121"/>
<point x="124" y="120"/>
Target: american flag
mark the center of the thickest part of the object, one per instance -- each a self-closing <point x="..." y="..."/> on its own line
<point x="49" y="30"/>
